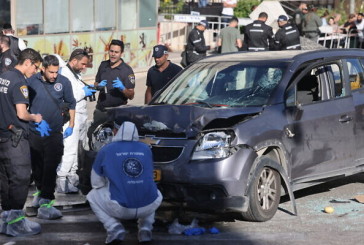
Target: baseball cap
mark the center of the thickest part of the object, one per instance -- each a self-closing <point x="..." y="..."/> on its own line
<point x="159" y="51"/>
<point x="204" y="23"/>
<point x="282" y="18"/>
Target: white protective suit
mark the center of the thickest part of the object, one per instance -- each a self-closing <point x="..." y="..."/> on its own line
<point x="109" y="211"/>
<point x="67" y="177"/>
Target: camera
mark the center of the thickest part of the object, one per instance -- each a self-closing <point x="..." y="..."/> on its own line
<point x="93" y="97"/>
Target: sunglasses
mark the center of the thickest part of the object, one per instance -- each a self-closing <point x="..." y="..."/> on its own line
<point x="36" y="66"/>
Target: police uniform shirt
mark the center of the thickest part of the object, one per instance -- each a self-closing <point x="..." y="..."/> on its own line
<point x="13" y="91"/>
<point x="7" y="61"/>
<point x="157" y="79"/>
<point x="41" y="102"/>
<point x="258" y="36"/>
<point x="287" y="38"/>
<point x="111" y="97"/>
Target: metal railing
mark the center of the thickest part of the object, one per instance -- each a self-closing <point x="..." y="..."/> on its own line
<point x="341" y="40"/>
<point x="176" y="33"/>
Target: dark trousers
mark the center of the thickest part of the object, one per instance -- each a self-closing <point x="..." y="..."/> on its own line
<point x="99" y="118"/>
<point x="14" y="174"/>
<point x="46" y="154"/>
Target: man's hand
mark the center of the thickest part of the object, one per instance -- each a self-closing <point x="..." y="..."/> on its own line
<point x="67" y="132"/>
<point x="88" y="91"/>
<point x="43" y="128"/>
<point x="102" y="83"/>
<point x="38" y="118"/>
<point x="118" y="84"/>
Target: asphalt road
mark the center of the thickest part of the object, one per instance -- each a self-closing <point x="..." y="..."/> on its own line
<point x="311" y="226"/>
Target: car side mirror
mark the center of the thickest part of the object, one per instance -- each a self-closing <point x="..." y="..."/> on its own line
<point x="298" y="111"/>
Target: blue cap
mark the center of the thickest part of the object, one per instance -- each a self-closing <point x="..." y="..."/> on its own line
<point x="159" y="51"/>
<point x="282" y="18"/>
<point x="204" y="23"/>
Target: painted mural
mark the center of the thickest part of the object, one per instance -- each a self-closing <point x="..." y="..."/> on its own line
<point x="137" y="53"/>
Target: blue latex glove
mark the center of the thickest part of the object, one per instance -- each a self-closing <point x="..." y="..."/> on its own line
<point x="43" y="128"/>
<point x="214" y="230"/>
<point x="67" y="132"/>
<point x="103" y="83"/>
<point x="194" y="231"/>
<point x="88" y="91"/>
<point x="118" y="84"/>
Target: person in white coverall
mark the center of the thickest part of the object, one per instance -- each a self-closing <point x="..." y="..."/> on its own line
<point x="123" y="186"/>
<point x="67" y="180"/>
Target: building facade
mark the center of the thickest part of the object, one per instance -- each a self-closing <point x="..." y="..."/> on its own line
<point x="60" y="26"/>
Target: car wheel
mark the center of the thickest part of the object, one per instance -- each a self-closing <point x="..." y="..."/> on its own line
<point x="264" y="195"/>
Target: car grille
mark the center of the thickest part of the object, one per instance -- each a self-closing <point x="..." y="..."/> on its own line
<point x="166" y="154"/>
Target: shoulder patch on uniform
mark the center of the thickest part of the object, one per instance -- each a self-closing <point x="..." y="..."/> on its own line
<point x="132" y="78"/>
<point x="58" y="87"/>
<point x="8" y="61"/>
<point x="24" y="91"/>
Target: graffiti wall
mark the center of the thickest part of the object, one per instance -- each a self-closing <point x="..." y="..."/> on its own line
<point x="137" y="53"/>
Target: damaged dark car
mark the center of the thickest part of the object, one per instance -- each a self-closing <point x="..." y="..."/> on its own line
<point x="235" y="132"/>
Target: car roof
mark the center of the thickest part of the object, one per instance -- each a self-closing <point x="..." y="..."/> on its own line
<point x="286" y="55"/>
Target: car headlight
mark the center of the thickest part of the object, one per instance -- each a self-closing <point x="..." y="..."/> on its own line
<point x="213" y="145"/>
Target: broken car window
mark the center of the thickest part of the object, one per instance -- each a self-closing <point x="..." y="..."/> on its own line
<point x="229" y="84"/>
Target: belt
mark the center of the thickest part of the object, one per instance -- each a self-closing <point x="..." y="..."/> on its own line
<point x="256" y="49"/>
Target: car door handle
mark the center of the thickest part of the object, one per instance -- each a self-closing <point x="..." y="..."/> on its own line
<point x="345" y="119"/>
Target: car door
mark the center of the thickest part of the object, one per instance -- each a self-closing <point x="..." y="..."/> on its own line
<point x="320" y="117"/>
<point x="355" y="68"/>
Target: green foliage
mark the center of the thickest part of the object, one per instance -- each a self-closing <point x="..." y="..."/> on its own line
<point x="333" y="13"/>
<point x="243" y="8"/>
<point x="169" y="7"/>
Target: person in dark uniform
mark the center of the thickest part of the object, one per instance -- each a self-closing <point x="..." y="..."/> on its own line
<point x="258" y="36"/>
<point x="51" y="89"/>
<point x="196" y="46"/>
<point x="299" y="16"/>
<point x="15" y="166"/>
<point x="7" y="59"/>
<point x="119" y="81"/>
<point x="288" y="36"/>
<point x="160" y="74"/>
<point x="16" y="44"/>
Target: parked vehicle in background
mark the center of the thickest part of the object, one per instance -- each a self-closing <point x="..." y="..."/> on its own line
<point x="232" y="133"/>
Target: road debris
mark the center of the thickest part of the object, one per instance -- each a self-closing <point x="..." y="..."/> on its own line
<point x="339" y="201"/>
<point x="359" y="198"/>
<point x="329" y="209"/>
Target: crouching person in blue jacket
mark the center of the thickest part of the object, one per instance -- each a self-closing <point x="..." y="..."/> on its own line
<point x="123" y="186"/>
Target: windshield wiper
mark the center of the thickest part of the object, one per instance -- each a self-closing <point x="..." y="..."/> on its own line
<point x="159" y="103"/>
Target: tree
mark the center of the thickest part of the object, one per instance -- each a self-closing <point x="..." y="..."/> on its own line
<point x="244" y="8"/>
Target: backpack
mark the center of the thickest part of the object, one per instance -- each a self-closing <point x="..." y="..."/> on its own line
<point x="14" y="46"/>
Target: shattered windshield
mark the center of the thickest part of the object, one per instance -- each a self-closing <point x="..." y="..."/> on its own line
<point x="227" y="84"/>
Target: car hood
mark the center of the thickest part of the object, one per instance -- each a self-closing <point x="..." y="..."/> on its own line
<point x="180" y="120"/>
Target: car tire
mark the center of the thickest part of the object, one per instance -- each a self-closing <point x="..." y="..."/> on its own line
<point x="264" y="195"/>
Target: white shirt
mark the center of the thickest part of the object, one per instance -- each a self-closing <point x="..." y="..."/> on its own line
<point x="360" y="27"/>
<point x="77" y="88"/>
<point x="229" y="11"/>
